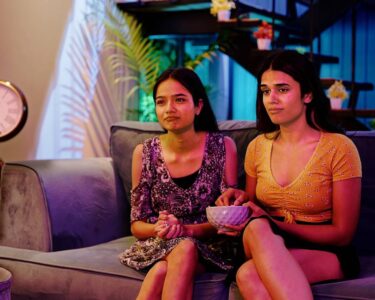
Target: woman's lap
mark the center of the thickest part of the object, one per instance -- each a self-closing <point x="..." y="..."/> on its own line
<point x="321" y="262"/>
<point x="318" y="265"/>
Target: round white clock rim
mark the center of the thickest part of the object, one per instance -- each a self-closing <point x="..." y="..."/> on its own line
<point x="16" y="112"/>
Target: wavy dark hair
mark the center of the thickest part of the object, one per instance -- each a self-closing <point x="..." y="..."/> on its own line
<point x="302" y="70"/>
<point x="206" y="120"/>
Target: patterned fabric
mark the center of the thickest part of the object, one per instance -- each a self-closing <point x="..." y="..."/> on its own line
<point x="157" y="191"/>
<point x="309" y="197"/>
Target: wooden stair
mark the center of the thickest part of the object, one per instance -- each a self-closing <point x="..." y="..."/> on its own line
<point x="189" y="18"/>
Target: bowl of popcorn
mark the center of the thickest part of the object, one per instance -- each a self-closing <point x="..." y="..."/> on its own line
<point x="219" y="216"/>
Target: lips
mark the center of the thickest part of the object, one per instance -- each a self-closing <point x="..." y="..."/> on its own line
<point x="170" y="119"/>
<point x="274" y="110"/>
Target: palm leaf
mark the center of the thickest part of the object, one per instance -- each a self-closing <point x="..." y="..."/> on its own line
<point x="137" y="52"/>
<point x="209" y="54"/>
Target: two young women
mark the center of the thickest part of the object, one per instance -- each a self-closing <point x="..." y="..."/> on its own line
<point x="303" y="185"/>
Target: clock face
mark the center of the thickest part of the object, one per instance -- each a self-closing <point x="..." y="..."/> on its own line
<point x="13" y="110"/>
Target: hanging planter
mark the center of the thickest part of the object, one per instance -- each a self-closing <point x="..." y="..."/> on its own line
<point x="264" y="36"/>
<point x="264" y="44"/>
<point x="336" y="103"/>
<point x="222" y="8"/>
<point x="337" y="94"/>
<point x="223" y="15"/>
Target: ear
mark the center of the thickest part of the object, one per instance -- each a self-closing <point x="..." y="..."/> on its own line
<point x="199" y="107"/>
<point x="307" y="98"/>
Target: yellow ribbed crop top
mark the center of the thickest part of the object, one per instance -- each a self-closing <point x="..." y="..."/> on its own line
<point x="309" y="197"/>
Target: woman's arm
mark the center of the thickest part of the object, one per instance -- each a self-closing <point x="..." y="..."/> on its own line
<point x="143" y="230"/>
<point x="231" y="162"/>
<point x="137" y="165"/>
<point x="140" y="229"/>
<point x="236" y="196"/>
<point x="346" y="197"/>
<point x="251" y="184"/>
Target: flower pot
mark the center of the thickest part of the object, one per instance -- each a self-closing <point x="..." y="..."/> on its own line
<point x="336" y="103"/>
<point x="223" y="15"/>
<point x="264" y="44"/>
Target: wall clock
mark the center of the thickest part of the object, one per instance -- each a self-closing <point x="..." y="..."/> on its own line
<point x="13" y="110"/>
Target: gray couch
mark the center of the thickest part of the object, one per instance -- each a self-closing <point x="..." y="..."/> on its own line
<point x="64" y="222"/>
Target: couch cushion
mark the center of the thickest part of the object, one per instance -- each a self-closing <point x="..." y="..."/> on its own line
<point x="88" y="273"/>
<point x="126" y="135"/>
<point x="360" y="288"/>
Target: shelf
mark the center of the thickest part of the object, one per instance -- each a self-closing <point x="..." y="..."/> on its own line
<point x="163" y="5"/>
<point x="240" y="24"/>
<point x="348" y="118"/>
<point x="361" y="86"/>
<point x="357" y="113"/>
<point x="354" y="87"/>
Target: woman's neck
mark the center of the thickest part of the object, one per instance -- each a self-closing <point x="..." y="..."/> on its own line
<point x="300" y="133"/>
<point x="183" y="142"/>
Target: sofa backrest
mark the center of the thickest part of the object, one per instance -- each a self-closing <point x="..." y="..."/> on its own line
<point x="364" y="239"/>
<point x="59" y="204"/>
<point x="126" y="135"/>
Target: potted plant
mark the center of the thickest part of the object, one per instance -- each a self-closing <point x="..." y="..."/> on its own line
<point x="337" y="94"/>
<point x="264" y="36"/>
<point x="221" y="8"/>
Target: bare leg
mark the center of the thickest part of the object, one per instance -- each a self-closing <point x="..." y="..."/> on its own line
<point x="152" y="285"/>
<point x="318" y="265"/>
<point x="280" y="273"/>
<point x="182" y="266"/>
<point x="250" y="285"/>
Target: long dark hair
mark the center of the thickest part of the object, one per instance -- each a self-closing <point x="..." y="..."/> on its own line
<point x="206" y="120"/>
<point x="302" y="70"/>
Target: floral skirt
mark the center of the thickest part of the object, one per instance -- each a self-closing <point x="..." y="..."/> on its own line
<point x="217" y="252"/>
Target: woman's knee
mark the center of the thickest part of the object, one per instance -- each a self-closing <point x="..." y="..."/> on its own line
<point x="185" y="251"/>
<point x="246" y="273"/>
<point x="260" y="230"/>
<point x="249" y="282"/>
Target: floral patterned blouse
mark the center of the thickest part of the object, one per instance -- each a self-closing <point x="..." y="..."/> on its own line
<point x="157" y="191"/>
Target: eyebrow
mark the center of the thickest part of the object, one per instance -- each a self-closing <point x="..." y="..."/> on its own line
<point x="174" y="95"/>
<point x="277" y="84"/>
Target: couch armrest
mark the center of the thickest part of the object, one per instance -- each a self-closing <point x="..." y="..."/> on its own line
<point x="51" y="205"/>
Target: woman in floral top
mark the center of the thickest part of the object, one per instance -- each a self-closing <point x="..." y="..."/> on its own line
<point x="306" y="176"/>
<point x="175" y="176"/>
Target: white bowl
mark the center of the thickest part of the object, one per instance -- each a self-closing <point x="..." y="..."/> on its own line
<point x="219" y="216"/>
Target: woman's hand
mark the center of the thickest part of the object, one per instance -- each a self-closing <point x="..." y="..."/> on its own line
<point x="233" y="230"/>
<point x="169" y="227"/>
<point x="256" y="211"/>
<point x="161" y="228"/>
<point x="232" y="197"/>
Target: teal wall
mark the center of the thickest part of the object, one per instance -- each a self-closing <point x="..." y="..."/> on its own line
<point x="337" y="41"/>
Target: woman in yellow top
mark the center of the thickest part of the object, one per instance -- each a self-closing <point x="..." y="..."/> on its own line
<point x="303" y="183"/>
